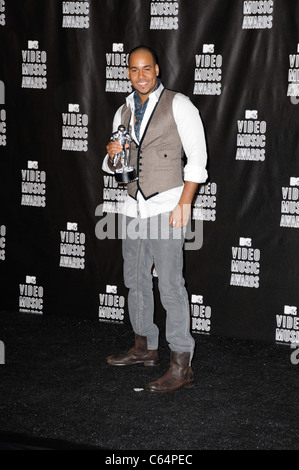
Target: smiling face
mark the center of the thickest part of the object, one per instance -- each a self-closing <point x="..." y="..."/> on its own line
<point x="143" y="73"/>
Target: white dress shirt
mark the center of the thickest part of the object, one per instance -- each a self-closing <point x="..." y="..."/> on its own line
<point x="191" y="132"/>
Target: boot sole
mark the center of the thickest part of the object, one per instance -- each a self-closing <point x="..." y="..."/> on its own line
<point x="146" y="364"/>
<point x="187" y="385"/>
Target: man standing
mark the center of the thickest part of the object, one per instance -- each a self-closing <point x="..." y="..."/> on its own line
<point x="162" y="123"/>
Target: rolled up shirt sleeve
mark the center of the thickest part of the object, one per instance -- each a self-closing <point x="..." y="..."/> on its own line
<point x="191" y="132"/>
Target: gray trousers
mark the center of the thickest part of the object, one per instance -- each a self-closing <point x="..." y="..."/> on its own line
<point x="149" y="242"/>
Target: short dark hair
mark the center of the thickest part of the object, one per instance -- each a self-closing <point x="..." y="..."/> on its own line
<point x="144" y="48"/>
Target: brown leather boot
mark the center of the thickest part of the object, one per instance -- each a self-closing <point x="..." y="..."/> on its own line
<point x="138" y="354"/>
<point x="178" y="375"/>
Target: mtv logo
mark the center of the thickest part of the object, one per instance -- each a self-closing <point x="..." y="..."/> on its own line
<point x="32" y="44"/>
<point x="111" y="289"/>
<point x="294" y="181"/>
<point x="30" y="280"/>
<point x="245" y="241"/>
<point x="208" y="48"/>
<point x="74" y="108"/>
<point x="196" y="299"/>
<point x="290" y="310"/>
<point x="251" y="114"/>
<point x="117" y="47"/>
<point x="72" y="226"/>
<point x="32" y="165"/>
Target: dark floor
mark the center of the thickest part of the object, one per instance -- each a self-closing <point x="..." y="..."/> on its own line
<point x="56" y="391"/>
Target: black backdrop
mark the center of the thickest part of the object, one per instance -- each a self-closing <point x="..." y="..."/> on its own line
<point x="62" y="77"/>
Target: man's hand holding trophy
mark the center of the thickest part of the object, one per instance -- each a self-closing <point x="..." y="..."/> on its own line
<point x="123" y="171"/>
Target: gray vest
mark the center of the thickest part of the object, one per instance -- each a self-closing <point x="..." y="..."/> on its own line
<point x="158" y="157"/>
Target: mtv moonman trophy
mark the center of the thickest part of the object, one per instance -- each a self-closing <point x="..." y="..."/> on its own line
<point x="127" y="173"/>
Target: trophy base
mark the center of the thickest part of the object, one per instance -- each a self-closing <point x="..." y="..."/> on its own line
<point x="127" y="176"/>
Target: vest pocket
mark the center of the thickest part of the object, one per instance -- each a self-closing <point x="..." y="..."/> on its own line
<point x="166" y="158"/>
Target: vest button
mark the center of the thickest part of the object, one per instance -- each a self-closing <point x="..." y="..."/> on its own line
<point x="165" y="156"/>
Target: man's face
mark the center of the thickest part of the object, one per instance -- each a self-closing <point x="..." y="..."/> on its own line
<point x="143" y="73"/>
